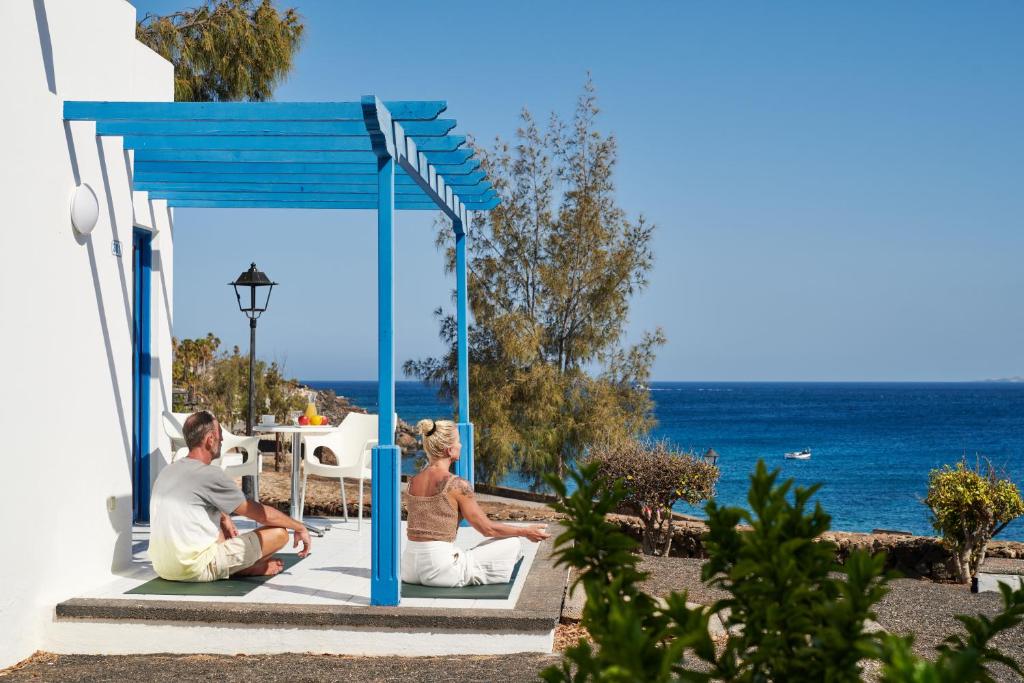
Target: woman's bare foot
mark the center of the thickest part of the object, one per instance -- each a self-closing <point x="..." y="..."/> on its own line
<point x="268" y="566"/>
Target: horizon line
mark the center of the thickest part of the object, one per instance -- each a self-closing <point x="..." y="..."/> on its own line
<point x="1003" y="380"/>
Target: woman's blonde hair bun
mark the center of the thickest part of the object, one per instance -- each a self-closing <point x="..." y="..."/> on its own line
<point x="437" y="435"/>
<point x="424" y="427"/>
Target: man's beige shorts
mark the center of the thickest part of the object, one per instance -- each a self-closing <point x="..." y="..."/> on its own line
<point x="233" y="555"/>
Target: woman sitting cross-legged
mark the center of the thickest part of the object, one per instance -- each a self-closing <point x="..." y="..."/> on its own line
<point x="437" y="501"/>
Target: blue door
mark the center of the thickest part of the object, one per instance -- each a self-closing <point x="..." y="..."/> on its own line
<point x="142" y="262"/>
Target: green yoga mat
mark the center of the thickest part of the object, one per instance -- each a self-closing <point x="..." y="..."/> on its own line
<point x="236" y="587"/>
<point x="490" y="591"/>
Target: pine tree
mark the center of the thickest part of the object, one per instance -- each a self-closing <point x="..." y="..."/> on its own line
<point x="225" y="50"/>
<point x="551" y="273"/>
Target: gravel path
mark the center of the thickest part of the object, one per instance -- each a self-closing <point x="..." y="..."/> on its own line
<point x="250" y="669"/>
<point x="923" y="609"/>
<point x="669" y="574"/>
<point x="926" y="610"/>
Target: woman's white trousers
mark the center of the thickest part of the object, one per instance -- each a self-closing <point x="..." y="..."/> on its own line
<point x="439" y="563"/>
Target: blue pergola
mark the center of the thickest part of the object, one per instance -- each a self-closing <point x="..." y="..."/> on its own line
<point x="321" y="155"/>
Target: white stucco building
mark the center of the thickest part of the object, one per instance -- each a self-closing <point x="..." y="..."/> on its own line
<point x="67" y="305"/>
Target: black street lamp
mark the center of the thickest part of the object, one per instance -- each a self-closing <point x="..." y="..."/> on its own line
<point x="711" y="456"/>
<point x="252" y="280"/>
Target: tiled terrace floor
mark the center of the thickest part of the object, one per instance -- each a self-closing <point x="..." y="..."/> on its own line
<point x="337" y="572"/>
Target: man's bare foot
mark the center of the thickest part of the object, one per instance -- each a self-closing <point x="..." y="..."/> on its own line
<point x="268" y="566"/>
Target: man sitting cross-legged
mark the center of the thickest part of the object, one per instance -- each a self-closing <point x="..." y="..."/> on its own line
<point x="192" y="537"/>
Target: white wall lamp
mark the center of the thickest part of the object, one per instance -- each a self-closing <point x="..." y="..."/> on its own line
<point x="85" y="209"/>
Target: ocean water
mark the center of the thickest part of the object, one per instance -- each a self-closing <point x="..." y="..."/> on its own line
<point x="873" y="444"/>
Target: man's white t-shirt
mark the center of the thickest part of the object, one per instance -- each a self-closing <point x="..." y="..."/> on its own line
<point x="184" y="517"/>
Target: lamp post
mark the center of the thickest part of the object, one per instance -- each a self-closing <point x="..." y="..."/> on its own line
<point x="252" y="280"/>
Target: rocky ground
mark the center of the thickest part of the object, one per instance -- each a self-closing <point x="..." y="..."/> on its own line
<point x="295" y="668"/>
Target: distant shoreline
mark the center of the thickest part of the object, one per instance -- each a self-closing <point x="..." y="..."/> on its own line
<point x="744" y="382"/>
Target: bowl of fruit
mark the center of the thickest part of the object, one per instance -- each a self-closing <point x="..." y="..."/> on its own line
<point x="311" y="419"/>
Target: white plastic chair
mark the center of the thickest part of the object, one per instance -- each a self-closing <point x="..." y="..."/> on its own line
<point x="246" y="463"/>
<point x="352" y="445"/>
<point x="234" y="464"/>
<point x="173" y="428"/>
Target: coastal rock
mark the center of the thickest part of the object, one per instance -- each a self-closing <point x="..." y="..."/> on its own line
<point x="335" y="408"/>
<point x="405" y="437"/>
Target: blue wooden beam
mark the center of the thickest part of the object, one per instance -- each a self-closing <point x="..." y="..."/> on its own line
<point x="263" y="156"/>
<point x="416" y="111"/>
<point x="306" y="143"/>
<point x="230" y="128"/>
<point x="278" y="179"/>
<point x="370" y="203"/>
<point x="275" y="148"/>
<point x="378" y="126"/>
<point x="447" y="143"/>
<point x="475" y="191"/>
<point x="471" y="178"/>
<point x="244" y="111"/>
<point x="401" y="179"/>
<point x="250" y="189"/>
<point x="260" y="196"/>
<point x="457" y="157"/>
<point x="482" y="206"/>
<point x="142" y="166"/>
<point x="213" y="111"/>
<point x="279" y="162"/>
<point x="420" y="129"/>
<point x="480" y="198"/>
<point x="464" y="168"/>
<point x="253" y="188"/>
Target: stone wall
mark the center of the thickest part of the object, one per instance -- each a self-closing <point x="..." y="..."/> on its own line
<point x="915" y="557"/>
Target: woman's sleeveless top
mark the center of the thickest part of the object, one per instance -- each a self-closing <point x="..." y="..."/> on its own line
<point x="433" y="517"/>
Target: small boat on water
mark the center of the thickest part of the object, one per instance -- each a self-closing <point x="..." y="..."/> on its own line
<point x="805" y="454"/>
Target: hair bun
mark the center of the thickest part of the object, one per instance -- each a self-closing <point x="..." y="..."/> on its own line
<point x="426" y="427"/>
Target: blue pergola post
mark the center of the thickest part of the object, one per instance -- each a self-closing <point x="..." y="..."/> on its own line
<point x="387" y="517"/>
<point x="464" y="467"/>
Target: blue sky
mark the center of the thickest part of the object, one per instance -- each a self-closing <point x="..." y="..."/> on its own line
<point x="836" y="189"/>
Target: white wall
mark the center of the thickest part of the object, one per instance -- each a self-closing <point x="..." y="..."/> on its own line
<point x="65" y="307"/>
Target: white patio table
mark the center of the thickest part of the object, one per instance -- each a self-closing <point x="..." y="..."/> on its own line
<point x="296" y="431"/>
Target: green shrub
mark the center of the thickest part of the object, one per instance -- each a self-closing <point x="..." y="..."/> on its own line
<point x="655" y="478"/>
<point x="969" y="506"/>
<point x="790" y="614"/>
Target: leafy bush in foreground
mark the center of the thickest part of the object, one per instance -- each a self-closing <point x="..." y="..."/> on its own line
<point x="789" y="616"/>
<point x="654" y="479"/>
<point x="969" y="507"/>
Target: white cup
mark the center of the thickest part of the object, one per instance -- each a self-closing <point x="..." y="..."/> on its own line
<point x="267" y="419"/>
